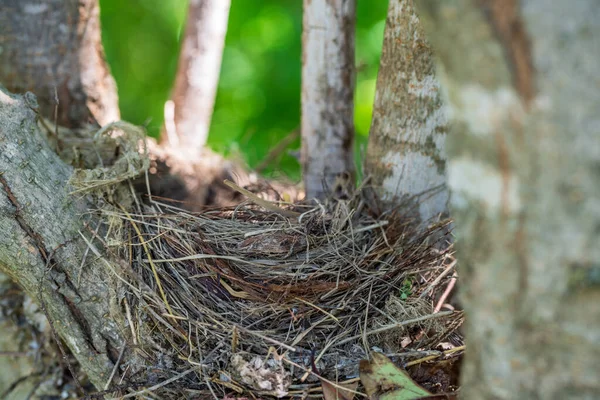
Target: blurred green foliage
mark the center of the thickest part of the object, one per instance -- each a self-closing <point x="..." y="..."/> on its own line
<point x="258" y="101"/>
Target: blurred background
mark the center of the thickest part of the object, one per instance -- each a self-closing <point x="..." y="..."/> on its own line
<point x="258" y="100"/>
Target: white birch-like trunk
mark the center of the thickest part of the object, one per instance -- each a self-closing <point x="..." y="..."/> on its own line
<point x="327" y="94"/>
<point x="189" y="112"/>
<point x="406" y="153"/>
<point x="524" y="168"/>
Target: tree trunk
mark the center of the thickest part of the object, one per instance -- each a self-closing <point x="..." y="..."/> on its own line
<point x="522" y="83"/>
<point x="54" y="48"/>
<point x="42" y="247"/>
<point x="327" y="94"/>
<point x="406" y="153"/>
<point x="197" y="78"/>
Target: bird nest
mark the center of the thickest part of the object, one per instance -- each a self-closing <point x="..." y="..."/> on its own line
<point x="271" y="298"/>
<point x="269" y="302"/>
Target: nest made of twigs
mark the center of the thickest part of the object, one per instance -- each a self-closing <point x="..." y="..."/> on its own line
<point x="267" y="298"/>
<point x="265" y="301"/>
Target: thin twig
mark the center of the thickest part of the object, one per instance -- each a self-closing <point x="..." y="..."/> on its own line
<point x="446" y="292"/>
<point x="336" y="385"/>
<point x="438" y="279"/>
<point x="130" y="321"/>
<point x="261" y="202"/>
<point x="268" y="339"/>
<point x="159" y="385"/>
<point x="398" y="325"/>
<point x="277" y="150"/>
<point x="433" y="357"/>
<point x="210" y="388"/>
<point x="114" y="371"/>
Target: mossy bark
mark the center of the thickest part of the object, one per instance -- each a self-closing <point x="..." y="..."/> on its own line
<point x="521" y="79"/>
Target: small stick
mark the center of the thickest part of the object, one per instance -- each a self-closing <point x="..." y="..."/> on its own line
<point x="428" y="358"/>
<point x="210" y="388"/>
<point x="268" y="339"/>
<point x="114" y="371"/>
<point x="159" y="385"/>
<point x="446" y="293"/>
<point x="398" y="325"/>
<point x="318" y="308"/>
<point x="336" y="385"/>
<point x="277" y="150"/>
<point x="130" y="319"/>
<point x="438" y="279"/>
<point x="56" y="103"/>
<point x="319" y="388"/>
<point x="261" y="202"/>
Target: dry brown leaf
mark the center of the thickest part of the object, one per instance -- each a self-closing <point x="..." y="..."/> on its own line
<point x="343" y="391"/>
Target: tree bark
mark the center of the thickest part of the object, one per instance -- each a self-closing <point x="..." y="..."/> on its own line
<point x="328" y="72"/>
<point x="406" y="153"/>
<point x="54" y="48"/>
<point x="42" y="247"/>
<point x="522" y="83"/>
<point x="197" y="77"/>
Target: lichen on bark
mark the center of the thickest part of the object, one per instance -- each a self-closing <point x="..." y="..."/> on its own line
<point x="406" y="152"/>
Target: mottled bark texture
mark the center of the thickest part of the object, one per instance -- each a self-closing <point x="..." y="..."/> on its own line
<point x="406" y="153"/>
<point x="54" y="48"/>
<point x="524" y="168"/>
<point x="328" y="75"/>
<point x="197" y="77"/>
<point x="42" y="249"/>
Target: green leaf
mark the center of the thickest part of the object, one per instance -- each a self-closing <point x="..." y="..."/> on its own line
<point x="384" y="381"/>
